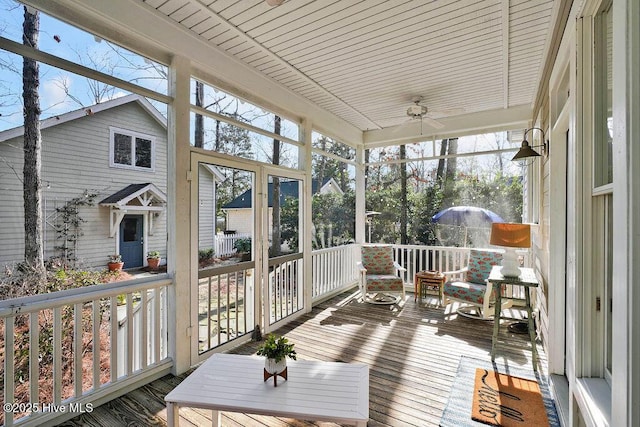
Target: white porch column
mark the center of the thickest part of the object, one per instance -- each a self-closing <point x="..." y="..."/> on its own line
<point x="179" y="212"/>
<point x="360" y="199"/>
<point x="307" y="220"/>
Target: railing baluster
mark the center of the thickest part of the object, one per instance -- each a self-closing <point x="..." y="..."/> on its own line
<point x="156" y="325"/>
<point x="246" y="301"/>
<point x="57" y="355"/>
<point x="236" y="304"/>
<point x="9" y="374"/>
<point x="77" y="350"/>
<point x="129" y="341"/>
<point x="228" y="307"/>
<point x="209" y="302"/>
<point x="113" y="344"/>
<point x="144" y="330"/>
<point x="96" y="321"/>
<point x="218" y="314"/>
<point x="34" y="350"/>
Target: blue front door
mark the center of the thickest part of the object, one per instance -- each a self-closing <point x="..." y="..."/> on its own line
<point x="131" y="243"/>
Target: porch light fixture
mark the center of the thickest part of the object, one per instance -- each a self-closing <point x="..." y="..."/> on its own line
<point x="527" y="151"/>
<point x="511" y="236"/>
<point x="274" y="2"/>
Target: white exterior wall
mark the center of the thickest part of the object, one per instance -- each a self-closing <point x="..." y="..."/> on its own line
<point x="75" y="158"/>
<point x="206" y="209"/>
<point x="572" y="328"/>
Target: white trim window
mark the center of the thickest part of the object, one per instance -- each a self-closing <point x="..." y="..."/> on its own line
<point x="131" y="150"/>
<point x="602" y="192"/>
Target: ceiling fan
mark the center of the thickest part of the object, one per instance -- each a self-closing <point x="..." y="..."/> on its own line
<point x="419" y="111"/>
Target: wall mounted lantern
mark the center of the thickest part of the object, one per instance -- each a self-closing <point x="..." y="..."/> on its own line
<point x="526" y="151"/>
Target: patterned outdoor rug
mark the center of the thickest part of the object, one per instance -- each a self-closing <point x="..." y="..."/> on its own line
<point x="458" y="411"/>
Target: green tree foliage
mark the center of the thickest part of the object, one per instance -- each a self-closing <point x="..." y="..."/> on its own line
<point x="289" y="223"/>
<point x="333" y="214"/>
<point x="428" y="193"/>
<point x="333" y="219"/>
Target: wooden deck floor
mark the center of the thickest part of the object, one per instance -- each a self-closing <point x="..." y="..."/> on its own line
<point x="413" y="353"/>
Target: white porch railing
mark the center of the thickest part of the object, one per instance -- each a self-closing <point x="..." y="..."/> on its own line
<point x="69" y="335"/>
<point x="334" y="270"/>
<point x="224" y="243"/>
<point x="225" y="304"/>
<point x="417" y="258"/>
<point x="65" y="358"/>
<point x="285" y="291"/>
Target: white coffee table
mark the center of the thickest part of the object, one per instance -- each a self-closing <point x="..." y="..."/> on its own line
<point x="322" y="391"/>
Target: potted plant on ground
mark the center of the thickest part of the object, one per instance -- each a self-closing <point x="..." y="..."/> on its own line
<point x="115" y="262"/>
<point x="153" y="259"/>
<point x="276" y="350"/>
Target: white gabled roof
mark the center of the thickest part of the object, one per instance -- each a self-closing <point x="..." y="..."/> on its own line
<point x="146" y="193"/>
<point x="87" y="111"/>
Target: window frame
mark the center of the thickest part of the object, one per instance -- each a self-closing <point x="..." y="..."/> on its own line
<point x="134" y="136"/>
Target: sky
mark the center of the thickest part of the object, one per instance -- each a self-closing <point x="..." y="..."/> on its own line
<point x="70" y="43"/>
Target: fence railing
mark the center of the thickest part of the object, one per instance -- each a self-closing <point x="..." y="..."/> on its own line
<point x="73" y="348"/>
<point x="81" y="346"/>
<point x="417" y="258"/>
<point x="225" y="304"/>
<point x="285" y="291"/>
<point x="224" y="243"/>
<point x="334" y="270"/>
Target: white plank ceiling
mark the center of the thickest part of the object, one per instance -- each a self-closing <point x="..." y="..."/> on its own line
<point x="364" y="60"/>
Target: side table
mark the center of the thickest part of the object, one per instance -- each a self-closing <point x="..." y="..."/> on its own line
<point x="428" y="279"/>
<point x="528" y="280"/>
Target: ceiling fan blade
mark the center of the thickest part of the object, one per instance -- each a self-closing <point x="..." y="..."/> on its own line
<point x="433" y="123"/>
<point x="449" y="111"/>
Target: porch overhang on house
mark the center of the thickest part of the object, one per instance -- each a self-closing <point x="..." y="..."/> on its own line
<point x="134" y="198"/>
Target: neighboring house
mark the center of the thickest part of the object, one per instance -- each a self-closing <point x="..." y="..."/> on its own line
<point x="120" y="157"/>
<point x="208" y="175"/>
<point x="239" y="213"/>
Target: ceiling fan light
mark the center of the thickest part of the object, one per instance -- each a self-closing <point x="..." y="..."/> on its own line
<point x="416" y="111"/>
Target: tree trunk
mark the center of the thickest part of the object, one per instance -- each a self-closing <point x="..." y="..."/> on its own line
<point x="32" y="185"/>
<point x="441" y="162"/>
<point x="275" y="245"/>
<point x="198" y="136"/>
<point x="367" y="154"/>
<point x="452" y="162"/>
<point x="322" y="164"/>
<point x="403" y="196"/>
<point x="218" y="143"/>
<point x="450" y="174"/>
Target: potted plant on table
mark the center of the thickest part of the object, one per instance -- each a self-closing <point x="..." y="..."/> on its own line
<point x="115" y="262"/>
<point x="153" y="259"/>
<point x="276" y="350"/>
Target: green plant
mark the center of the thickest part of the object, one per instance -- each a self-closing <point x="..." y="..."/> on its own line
<point x="205" y="254"/>
<point x="115" y="258"/>
<point x="243" y="245"/>
<point x="153" y="254"/>
<point x="68" y="226"/>
<point x="276" y="348"/>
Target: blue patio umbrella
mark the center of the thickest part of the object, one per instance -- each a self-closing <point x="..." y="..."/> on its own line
<point x="470" y="216"/>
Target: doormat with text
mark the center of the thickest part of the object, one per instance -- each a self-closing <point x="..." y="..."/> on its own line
<point x="457" y="412"/>
<point x="505" y="400"/>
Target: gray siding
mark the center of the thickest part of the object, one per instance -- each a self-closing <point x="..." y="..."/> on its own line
<point x="75" y="158"/>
